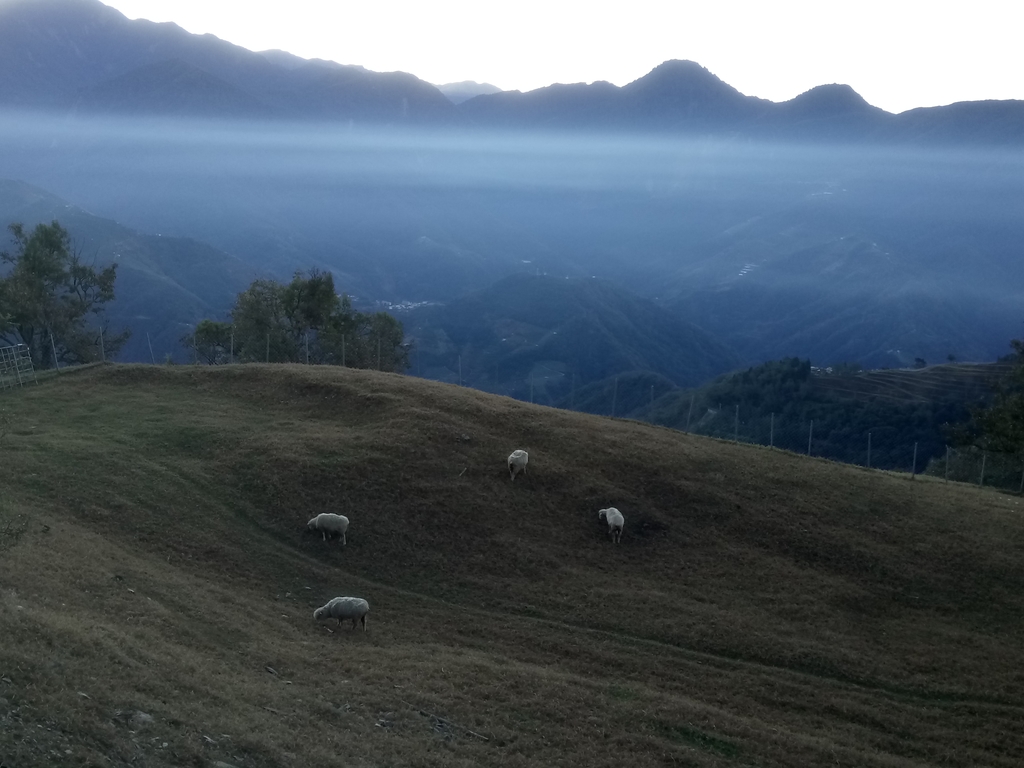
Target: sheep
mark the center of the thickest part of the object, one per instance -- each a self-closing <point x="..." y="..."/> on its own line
<point x="615" y="522"/>
<point x="517" y="463"/>
<point x="343" y="609"/>
<point x="329" y="524"/>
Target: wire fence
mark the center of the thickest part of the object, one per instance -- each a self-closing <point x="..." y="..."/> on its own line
<point x="881" y="447"/>
<point x="16" y="367"/>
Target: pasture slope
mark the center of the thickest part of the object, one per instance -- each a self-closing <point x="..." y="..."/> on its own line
<point x="762" y="609"/>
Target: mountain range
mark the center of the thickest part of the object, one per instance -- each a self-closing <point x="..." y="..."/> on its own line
<point x="81" y="56"/>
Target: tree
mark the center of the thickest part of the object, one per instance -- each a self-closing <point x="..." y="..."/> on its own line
<point x="384" y="335"/>
<point x="47" y="297"/>
<point x="310" y="303"/>
<point x="210" y="342"/>
<point x="1000" y="425"/>
<point x="261" y="326"/>
<point x="306" y="319"/>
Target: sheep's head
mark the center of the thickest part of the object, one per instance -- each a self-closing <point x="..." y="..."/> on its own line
<point x="318" y="614"/>
<point x="311" y="525"/>
<point x="602" y="514"/>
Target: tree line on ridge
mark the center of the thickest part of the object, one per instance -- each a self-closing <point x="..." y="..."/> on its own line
<point x="53" y="302"/>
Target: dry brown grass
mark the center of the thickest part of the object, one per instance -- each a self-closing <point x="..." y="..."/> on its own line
<point x="763" y="608"/>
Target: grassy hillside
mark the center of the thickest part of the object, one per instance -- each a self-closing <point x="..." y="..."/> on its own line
<point x="762" y="609"/>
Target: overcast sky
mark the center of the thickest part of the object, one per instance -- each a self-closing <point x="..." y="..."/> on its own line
<point x="898" y="54"/>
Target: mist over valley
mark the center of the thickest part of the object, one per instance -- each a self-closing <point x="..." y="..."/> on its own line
<point x="869" y="254"/>
<point x="822" y="227"/>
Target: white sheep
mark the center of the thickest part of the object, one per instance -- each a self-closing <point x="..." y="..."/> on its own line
<point x="615" y="522"/>
<point x="343" y="609"/>
<point x="517" y="463"/>
<point x="329" y="524"/>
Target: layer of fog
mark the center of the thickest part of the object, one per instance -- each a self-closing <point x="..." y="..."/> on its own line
<point x="419" y="215"/>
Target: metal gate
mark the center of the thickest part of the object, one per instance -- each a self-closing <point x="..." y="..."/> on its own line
<point x="16" y="367"/>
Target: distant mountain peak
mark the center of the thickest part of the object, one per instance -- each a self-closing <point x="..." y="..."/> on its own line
<point x="466" y="89"/>
<point x="679" y="92"/>
<point x="834" y="98"/>
<point x="682" y="75"/>
<point x="676" y="68"/>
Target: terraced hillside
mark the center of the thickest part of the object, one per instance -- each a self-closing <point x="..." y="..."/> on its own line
<point x="156" y="586"/>
<point x="881" y="418"/>
<point x="967" y="382"/>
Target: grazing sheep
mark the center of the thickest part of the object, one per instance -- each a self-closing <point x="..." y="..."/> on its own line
<point x="615" y="522"/>
<point x="329" y="524"/>
<point x="343" y="609"/>
<point x="517" y="463"/>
